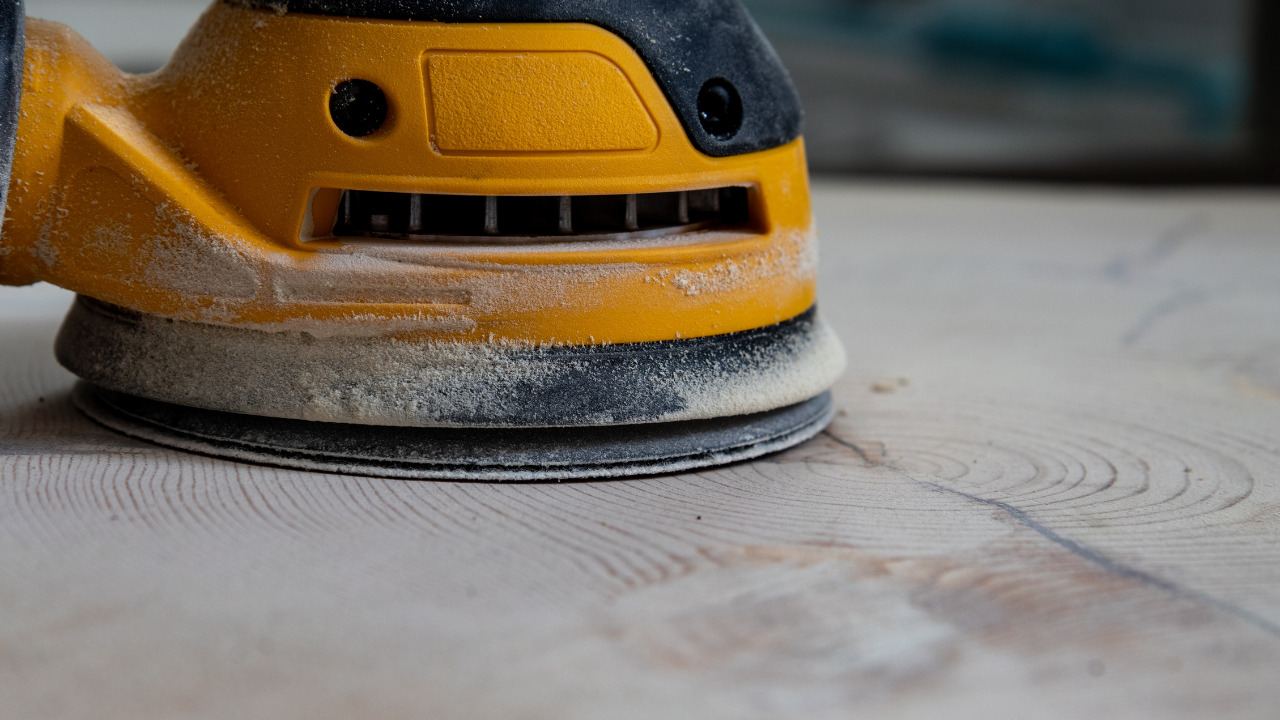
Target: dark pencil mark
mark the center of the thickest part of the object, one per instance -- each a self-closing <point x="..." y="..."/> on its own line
<point x="1083" y="551"/>
<point x="1122" y="269"/>
<point x="1179" y="300"/>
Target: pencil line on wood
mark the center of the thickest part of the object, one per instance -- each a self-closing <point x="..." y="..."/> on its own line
<point x="1087" y="553"/>
<point x="1162" y="310"/>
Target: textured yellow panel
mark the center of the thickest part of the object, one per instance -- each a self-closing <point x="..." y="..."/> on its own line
<point x="130" y="190"/>
<point x="535" y="102"/>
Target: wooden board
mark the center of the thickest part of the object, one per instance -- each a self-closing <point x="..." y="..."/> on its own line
<point x="1068" y="506"/>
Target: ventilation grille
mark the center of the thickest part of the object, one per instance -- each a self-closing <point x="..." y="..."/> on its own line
<point x="366" y="214"/>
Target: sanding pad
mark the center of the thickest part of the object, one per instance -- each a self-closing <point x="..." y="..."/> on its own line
<point x="524" y="454"/>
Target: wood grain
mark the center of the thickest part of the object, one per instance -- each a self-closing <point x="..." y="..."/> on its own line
<point x="1053" y="491"/>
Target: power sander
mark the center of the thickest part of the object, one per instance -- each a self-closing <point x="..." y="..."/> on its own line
<point x="454" y="239"/>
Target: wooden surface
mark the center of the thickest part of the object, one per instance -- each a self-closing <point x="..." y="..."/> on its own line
<point x="1068" y="507"/>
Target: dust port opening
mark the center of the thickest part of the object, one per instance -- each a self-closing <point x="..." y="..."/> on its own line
<point x="534" y="218"/>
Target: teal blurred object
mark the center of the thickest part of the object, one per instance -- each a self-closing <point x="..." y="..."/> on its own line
<point x="1214" y="95"/>
<point x="1045" y="88"/>
<point x="1016" y="86"/>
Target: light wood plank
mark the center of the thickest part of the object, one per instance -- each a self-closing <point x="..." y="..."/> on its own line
<point x="1071" y="508"/>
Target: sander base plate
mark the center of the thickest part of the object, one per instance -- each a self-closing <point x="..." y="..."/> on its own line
<point x="475" y="454"/>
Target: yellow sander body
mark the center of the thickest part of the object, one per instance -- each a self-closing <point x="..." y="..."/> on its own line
<point x="474" y="250"/>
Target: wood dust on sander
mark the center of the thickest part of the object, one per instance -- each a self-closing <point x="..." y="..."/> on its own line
<point x="394" y="382"/>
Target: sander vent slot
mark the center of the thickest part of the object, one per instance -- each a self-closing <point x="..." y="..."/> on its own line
<point x="521" y="218"/>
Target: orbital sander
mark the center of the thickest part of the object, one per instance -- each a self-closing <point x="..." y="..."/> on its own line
<point x="455" y="239"/>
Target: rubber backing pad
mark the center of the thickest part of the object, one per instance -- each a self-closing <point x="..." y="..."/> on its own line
<point x="385" y="381"/>
<point x="534" y="454"/>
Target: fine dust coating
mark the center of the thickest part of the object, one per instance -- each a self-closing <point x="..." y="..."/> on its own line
<point x="527" y="252"/>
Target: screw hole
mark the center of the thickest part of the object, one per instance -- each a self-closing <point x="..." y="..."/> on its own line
<point x="720" y="108"/>
<point x="358" y="107"/>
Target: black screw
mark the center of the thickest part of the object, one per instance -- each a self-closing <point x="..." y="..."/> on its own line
<point x="358" y="107"/>
<point x="720" y="108"/>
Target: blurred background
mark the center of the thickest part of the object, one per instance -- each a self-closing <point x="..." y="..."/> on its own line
<point x="1131" y="91"/>
<point x="1137" y="90"/>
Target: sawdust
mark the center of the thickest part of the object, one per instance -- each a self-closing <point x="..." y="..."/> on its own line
<point x="886" y="387"/>
<point x="448" y="299"/>
<point x="794" y="256"/>
<point x="808" y="367"/>
<point x="286" y="374"/>
<point x="386" y="381"/>
<point x="187" y="259"/>
<point x="362" y="326"/>
<point x="329" y="278"/>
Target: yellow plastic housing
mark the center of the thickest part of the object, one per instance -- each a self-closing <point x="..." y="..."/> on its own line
<point x="203" y="192"/>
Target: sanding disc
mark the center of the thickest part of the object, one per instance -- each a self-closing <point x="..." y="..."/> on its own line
<point x="525" y="454"/>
